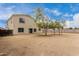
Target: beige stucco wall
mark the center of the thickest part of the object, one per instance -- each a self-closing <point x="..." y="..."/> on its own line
<point x="13" y="23"/>
<point x="10" y="24"/>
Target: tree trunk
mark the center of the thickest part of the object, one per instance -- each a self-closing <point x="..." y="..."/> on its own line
<point x="59" y="31"/>
<point x="54" y="31"/>
<point x="45" y="31"/>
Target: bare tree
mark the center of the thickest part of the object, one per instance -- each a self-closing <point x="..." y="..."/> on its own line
<point x="41" y="20"/>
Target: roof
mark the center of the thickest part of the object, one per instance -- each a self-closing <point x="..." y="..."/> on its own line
<point x="20" y="15"/>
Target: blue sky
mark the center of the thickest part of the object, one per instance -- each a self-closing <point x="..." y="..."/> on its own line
<point x="56" y="11"/>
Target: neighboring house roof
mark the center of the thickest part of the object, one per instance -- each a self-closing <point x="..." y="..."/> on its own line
<point x="2" y="28"/>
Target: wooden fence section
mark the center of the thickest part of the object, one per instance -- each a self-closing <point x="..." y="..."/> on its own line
<point x="6" y="32"/>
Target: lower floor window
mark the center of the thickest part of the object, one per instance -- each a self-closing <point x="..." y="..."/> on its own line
<point x="20" y="29"/>
<point x="39" y="29"/>
<point x="34" y="30"/>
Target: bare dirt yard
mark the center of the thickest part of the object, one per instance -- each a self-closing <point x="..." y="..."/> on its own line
<point x="66" y="44"/>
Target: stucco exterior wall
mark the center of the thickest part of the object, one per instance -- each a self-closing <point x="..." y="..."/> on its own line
<point x="14" y="24"/>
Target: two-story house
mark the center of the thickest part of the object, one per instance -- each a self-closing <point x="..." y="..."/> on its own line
<point x="21" y="24"/>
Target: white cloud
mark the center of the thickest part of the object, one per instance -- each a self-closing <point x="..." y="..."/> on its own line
<point x="47" y="9"/>
<point x="56" y="12"/>
<point x="74" y="23"/>
<point x="10" y="8"/>
<point x="6" y="12"/>
<point x="5" y="16"/>
<point x="67" y="15"/>
<point x="53" y="11"/>
<point x="76" y="19"/>
<point x="69" y="24"/>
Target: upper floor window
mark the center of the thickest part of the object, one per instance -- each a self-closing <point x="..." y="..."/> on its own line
<point x="21" y="20"/>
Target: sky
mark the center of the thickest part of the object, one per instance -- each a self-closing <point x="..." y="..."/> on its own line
<point x="56" y="11"/>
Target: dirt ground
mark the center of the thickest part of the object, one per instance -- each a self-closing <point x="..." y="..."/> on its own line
<point x="66" y="44"/>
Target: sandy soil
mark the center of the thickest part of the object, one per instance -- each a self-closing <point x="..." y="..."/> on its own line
<point x="34" y="45"/>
